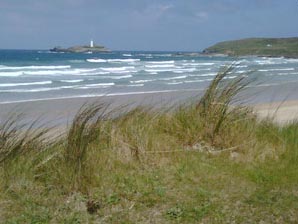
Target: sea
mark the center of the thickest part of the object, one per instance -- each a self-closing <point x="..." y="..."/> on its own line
<point x="34" y="75"/>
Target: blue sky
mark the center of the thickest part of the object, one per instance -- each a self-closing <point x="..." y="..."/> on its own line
<point x="188" y="25"/>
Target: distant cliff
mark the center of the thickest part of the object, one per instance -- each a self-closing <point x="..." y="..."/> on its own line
<point x="81" y="49"/>
<point x="269" y="47"/>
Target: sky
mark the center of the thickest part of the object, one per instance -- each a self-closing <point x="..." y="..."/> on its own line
<point x="156" y="25"/>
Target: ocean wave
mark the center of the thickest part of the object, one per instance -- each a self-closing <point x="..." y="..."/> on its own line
<point x="145" y="55"/>
<point x="11" y="74"/>
<point x="119" y="77"/>
<point x="76" y="61"/>
<point x="163" y="55"/>
<point x="276" y="69"/>
<point x="206" y="63"/>
<point x="190" y="64"/>
<point x="72" y="81"/>
<point x="189" y="81"/>
<point x="25" y="84"/>
<point x="176" y="77"/>
<point x="100" y="84"/>
<point x="198" y="80"/>
<point x="241" y="66"/>
<point x="60" y="72"/>
<point x="118" y="69"/>
<point x="123" y="60"/>
<point x="127" y="55"/>
<point x="160" y="66"/>
<point x="182" y="70"/>
<point x="283" y="74"/>
<point x="97" y="85"/>
<point x="143" y="81"/>
<point x="161" y="62"/>
<point x="135" y="85"/>
<point x="268" y="62"/>
<point x="158" y="70"/>
<point x="94" y="60"/>
<point x="174" y="83"/>
<point x="33" y="67"/>
<point x="203" y="75"/>
<point x="241" y="71"/>
<point x="37" y="89"/>
<point x="52" y="73"/>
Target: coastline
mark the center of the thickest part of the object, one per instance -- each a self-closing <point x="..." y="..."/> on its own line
<point x="61" y="111"/>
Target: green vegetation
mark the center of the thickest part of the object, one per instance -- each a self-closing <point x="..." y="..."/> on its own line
<point x="270" y="47"/>
<point x="202" y="162"/>
<point x="81" y="49"/>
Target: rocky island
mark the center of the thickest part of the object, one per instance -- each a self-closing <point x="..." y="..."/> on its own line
<point x="267" y="47"/>
<point x="92" y="48"/>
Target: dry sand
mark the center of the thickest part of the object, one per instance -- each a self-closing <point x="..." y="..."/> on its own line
<point x="280" y="112"/>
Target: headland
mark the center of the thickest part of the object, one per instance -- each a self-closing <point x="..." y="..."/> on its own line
<point x="263" y="47"/>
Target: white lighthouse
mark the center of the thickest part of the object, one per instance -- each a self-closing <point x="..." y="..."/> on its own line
<point x="91" y="43"/>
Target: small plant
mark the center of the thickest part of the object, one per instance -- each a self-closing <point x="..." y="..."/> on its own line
<point x="175" y="212"/>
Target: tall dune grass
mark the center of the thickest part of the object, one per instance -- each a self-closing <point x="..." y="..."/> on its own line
<point x="187" y="164"/>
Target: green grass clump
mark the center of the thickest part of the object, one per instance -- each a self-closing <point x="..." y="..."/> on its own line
<point x="207" y="161"/>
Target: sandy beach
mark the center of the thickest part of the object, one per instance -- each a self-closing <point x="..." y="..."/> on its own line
<point x="61" y="111"/>
<point x="280" y="112"/>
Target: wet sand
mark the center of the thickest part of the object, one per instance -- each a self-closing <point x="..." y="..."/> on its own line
<point x="61" y="111"/>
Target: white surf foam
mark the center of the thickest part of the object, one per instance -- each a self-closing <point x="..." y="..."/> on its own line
<point x="100" y="84"/>
<point x="96" y="60"/>
<point x="97" y="85"/>
<point x="120" y="70"/>
<point x="176" y="77"/>
<point x="127" y="55"/>
<point x="206" y="64"/>
<point x="203" y="75"/>
<point x="183" y="70"/>
<point x="174" y="83"/>
<point x="200" y="80"/>
<point x="276" y="69"/>
<point x="120" y="77"/>
<point x="38" y="89"/>
<point x="60" y="72"/>
<point x="72" y="81"/>
<point x="283" y="74"/>
<point x="135" y="85"/>
<point x="143" y="81"/>
<point x="11" y="74"/>
<point x="33" y="67"/>
<point x="25" y="84"/>
<point x="160" y="66"/>
<point x="161" y="62"/>
<point x="123" y="60"/>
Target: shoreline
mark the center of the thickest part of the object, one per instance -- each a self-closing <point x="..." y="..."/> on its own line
<point x="60" y="111"/>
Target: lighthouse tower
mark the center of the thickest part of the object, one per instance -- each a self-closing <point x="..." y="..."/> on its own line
<point x="91" y="43"/>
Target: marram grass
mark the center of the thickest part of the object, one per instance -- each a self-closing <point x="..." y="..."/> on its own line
<point x="202" y="162"/>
